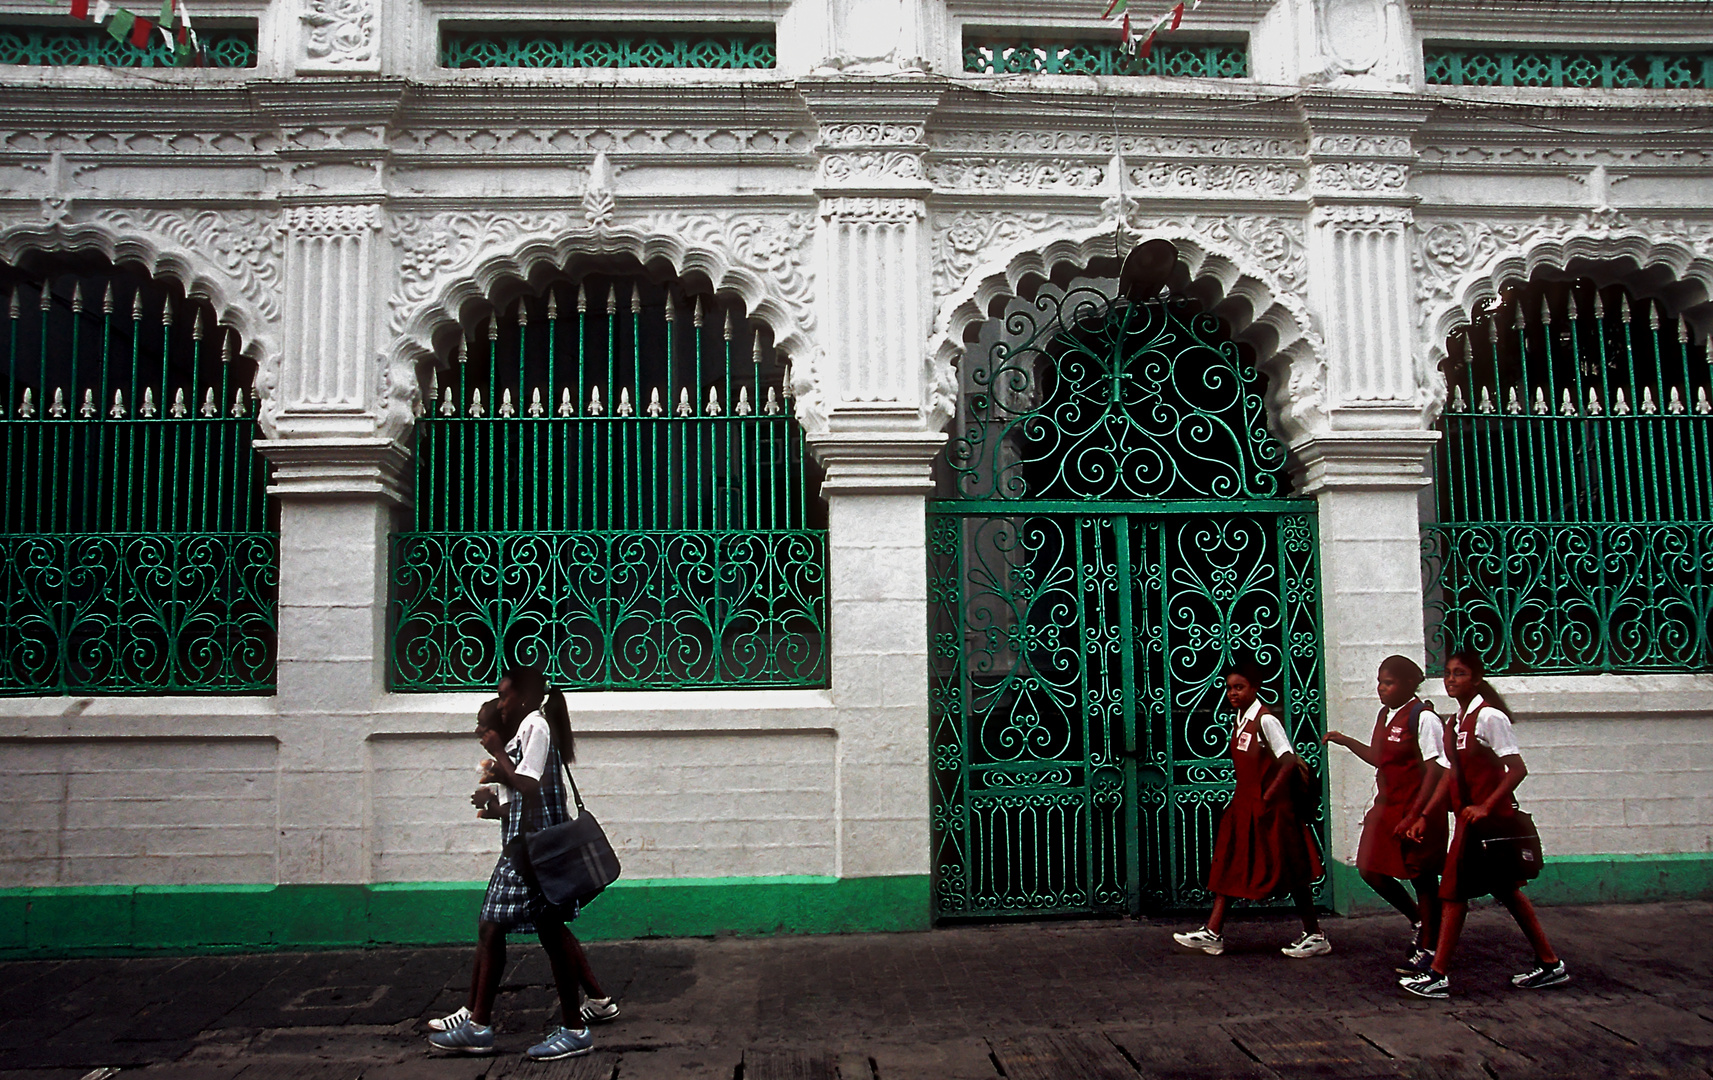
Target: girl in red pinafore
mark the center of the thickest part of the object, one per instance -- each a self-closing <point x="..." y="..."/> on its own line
<point x="1262" y="849"/>
<point x="1406" y="752"/>
<point x="1485" y="768"/>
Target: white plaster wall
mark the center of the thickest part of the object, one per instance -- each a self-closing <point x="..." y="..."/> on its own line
<point x="143" y="811"/>
<point x="691" y="805"/>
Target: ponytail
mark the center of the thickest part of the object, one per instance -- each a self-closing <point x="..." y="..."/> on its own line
<point x="1471" y="659"/>
<point x="559" y="724"/>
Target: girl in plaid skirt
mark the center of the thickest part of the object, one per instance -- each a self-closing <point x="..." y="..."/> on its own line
<point x="534" y="726"/>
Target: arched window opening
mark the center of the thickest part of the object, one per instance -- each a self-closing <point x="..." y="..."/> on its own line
<point x="610" y="483"/>
<point x="137" y="548"/>
<point x="1573" y="505"/>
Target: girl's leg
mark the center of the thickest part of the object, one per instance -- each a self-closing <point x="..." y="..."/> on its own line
<point x="1427" y="902"/>
<point x="569" y="963"/>
<point x="1451" y="916"/>
<point x="585" y="973"/>
<point x="490" y="965"/>
<point x="1304" y="899"/>
<point x="1216" y="919"/>
<point x="1393" y="892"/>
<point x="1530" y="924"/>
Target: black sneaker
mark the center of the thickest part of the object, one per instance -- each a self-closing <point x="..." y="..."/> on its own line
<point x="1430" y="984"/>
<point x="1419" y="962"/>
<point x="1543" y="975"/>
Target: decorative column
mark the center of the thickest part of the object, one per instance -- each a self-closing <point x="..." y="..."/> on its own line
<point x="340" y="470"/>
<point x="871" y="382"/>
<point x="1367" y="465"/>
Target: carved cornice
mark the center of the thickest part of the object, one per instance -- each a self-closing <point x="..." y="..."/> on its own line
<point x="338" y="468"/>
<point x="871" y="209"/>
<point x="1390" y="457"/>
<point x="349" y="220"/>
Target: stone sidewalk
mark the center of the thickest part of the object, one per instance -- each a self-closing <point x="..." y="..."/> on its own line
<point x="1067" y="1001"/>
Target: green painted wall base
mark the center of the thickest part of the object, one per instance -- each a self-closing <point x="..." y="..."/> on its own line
<point x="1573" y="879"/>
<point x="119" y="919"/>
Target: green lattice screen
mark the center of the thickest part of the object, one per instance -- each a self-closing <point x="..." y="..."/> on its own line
<point x="1574" y="503"/>
<point x="92" y="46"/>
<point x="611" y="484"/>
<point x="993" y="54"/>
<point x="136" y="550"/>
<point x="1582" y="68"/>
<point x="606" y="48"/>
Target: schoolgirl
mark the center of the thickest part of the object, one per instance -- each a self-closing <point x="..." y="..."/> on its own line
<point x="1485" y="767"/>
<point x="1406" y="751"/>
<point x="1262" y="847"/>
<point x="533" y="729"/>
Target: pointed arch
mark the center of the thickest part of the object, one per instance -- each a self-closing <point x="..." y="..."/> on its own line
<point x="453" y="263"/>
<point x="1473" y="263"/>
<point x="1248" y="272"/>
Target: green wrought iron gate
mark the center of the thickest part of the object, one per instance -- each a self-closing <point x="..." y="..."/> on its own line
<point x="1115" y="534"/>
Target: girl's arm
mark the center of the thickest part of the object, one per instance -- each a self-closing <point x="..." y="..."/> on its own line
<point x="1515" y="771"/>
<point x="1426" y="794"/>
<point x="503" y="769"/>
<point x="1435" y="805"/>
<point x="1360" y="749"/>
<point x="1283" y="782"/>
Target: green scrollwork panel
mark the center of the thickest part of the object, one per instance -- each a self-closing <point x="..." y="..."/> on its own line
<point x="123" y="613"/>
<point x="1111" y="538"/>
<point x="615" y="609"/>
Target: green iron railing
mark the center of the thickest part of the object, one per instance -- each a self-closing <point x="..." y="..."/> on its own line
<point x="135" y="551"/>
<point x="1203" y="60"/>
<point x="643" y="48"/>
<point x="1574" y="527"/>
<point x="618" y="493"/>
<point x="1586" y="69"/>
<point x="1113" y="533"/>
<point x="92" y="46"/>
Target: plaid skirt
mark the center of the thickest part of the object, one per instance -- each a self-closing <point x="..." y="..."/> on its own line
<point x="514" y="904"/>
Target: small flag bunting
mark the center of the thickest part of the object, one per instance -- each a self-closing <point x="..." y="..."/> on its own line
<point x="1138" y="40"/>
<point x="124" y="26"/>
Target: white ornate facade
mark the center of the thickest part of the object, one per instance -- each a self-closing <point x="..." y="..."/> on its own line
<point x="346" y="202"/>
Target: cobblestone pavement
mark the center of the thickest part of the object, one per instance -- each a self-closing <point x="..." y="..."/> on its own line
<point x="1032" y="1001"/>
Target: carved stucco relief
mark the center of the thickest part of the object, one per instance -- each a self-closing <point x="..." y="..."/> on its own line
<point x="447" y="259"/>
<point x="1461" y="264"/>
<point x="232" y="258"/>
<point x="337" y="35"/>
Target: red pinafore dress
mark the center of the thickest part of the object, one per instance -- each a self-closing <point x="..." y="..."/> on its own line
<point x="1261" y="849"/>
<point x="1475" y="774"/>
<point x="1400" y="772"/>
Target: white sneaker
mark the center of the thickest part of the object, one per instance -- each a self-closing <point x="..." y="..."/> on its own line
<point x="1308" y="945"/>
<point x="1204" y="939"/>
<point x="447" y="1023"/>
<point x="599" y="1010"/>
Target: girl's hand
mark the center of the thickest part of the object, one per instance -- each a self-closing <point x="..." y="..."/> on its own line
<point x="482" y="798"/>
<point x="1473" y="814"/>
<point x="1333" y="737"/>
<point x="493" y="742"/>
<point x="1413" y="831"/>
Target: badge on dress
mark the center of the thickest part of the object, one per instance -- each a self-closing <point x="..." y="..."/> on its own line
<point x="1463" y="740"/>
<point x="1243" y="741"/>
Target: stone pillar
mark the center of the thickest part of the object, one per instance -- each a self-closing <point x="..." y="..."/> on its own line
<point x="877" y="447"/>
<point x="339" y="480"/>
<point x="1366" y="467"/>
<point x="878" y="581"/>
